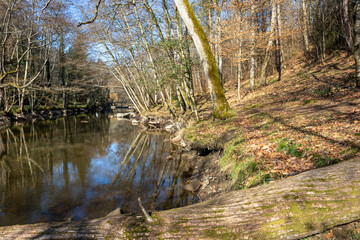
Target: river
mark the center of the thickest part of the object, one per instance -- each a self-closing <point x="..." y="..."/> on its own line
<point x="83" y="167"/>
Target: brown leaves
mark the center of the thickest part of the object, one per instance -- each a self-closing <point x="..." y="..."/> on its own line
<point x="330" y="235"/>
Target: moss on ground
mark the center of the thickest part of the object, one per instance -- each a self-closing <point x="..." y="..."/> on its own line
<point x="210" y="134"/>
<point x="245" y="170"/>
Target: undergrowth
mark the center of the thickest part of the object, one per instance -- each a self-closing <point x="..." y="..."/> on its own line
<point x="290" y="148"/>
<point x="323" y="161"/>
<point x="245" y="170"/>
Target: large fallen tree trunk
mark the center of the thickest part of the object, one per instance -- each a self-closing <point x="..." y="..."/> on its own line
<point x="292" y="208"/>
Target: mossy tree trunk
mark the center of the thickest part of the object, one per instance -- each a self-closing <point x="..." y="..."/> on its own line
<point x="293" y="208"/>
<point x="221" y="106"/>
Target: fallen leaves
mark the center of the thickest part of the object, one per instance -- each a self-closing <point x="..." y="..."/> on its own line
<point x="330" y="234"/>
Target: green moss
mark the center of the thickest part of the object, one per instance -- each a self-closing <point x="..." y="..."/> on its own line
<point x="252" y="106"/>
<point x="307" y="102"/>
<point x="224" y="113"/>
<point x="301" y="215"/>
<point x="245" y="170"/>
<point x="267" y="207"/>
<point x="220" y="233"/>
<point x="136" y="232"/>
<point x="221" y="106"/>
<point x="290" y="196"/>
<point x="157" y="219"/>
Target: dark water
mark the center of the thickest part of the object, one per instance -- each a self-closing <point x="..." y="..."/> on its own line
<point x="85" y="167"/>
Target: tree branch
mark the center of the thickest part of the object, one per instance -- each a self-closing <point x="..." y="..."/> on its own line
<point x="27" y="84"/>
<point x="2" y="77"/>
<point x="95" y="15"/>
<point x="42" y="10"/>
<point x="148" y="218"/>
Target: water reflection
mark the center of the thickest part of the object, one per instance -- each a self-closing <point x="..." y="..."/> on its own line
<point x="84" y="167"/>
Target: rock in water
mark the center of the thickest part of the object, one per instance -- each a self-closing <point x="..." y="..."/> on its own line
<point x="123" y="115"/>
<point x="192" y="186"/>
<point x="135" y="122"/>
<point x="171" y="128"/>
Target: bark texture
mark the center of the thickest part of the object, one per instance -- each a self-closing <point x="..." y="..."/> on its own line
<point x="305" y="27"/>
<point x="347" y="25"/>
<point x="270" y="41"/>
<point x="357" y="42"/>
<point x="293" y="208"/>
<point x="221" y="106"/>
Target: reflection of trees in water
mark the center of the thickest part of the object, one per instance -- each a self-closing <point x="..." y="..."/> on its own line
<point x="40" y="157"/>
<point x="46" y="170"/>
<point x="145" y="172"/>
<point x="37" y="148"/>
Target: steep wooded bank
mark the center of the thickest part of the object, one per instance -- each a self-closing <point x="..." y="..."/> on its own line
<point x="162" y="53"/>
<point x="292" y="208"/>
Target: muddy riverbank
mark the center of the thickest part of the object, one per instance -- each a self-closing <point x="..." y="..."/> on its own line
<point x="205" y="178"/>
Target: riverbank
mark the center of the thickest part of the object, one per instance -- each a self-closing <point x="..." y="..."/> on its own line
<point x="308" y="120"/>
<point x="205" y="179"/>
<point x="6" y="119"/>
<point x="282" y="139"/>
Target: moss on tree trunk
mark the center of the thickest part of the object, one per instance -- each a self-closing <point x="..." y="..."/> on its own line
<point x="221" y="106"/>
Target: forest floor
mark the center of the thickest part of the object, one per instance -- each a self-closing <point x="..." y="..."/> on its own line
<point x="309" y="119"/>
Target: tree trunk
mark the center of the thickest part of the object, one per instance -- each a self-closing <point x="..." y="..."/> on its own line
<point x="220" y="104"/>
<point x="357" y="42"/>
<point x="267" y="52"/>
<point x="279" y="41"/>
<point x="293" y="208"/>
<point x="252" y="50"/>
<point x="240" y="73"/>
<point x="198" y="78"/>
<point x="305" y="28"/>
<point x="347" y="25"/>
<point x="62" y="69"/>
<point x="218" y="57"/>
<point x="181" y="100"/>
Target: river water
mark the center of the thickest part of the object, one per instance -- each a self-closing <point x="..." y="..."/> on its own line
<point x="84" y="167"/>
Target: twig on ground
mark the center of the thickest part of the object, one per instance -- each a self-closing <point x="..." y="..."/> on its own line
<point x="147" y="216"/>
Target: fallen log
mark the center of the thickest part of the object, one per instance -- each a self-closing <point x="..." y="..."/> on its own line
<point x="292" y="208"/>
